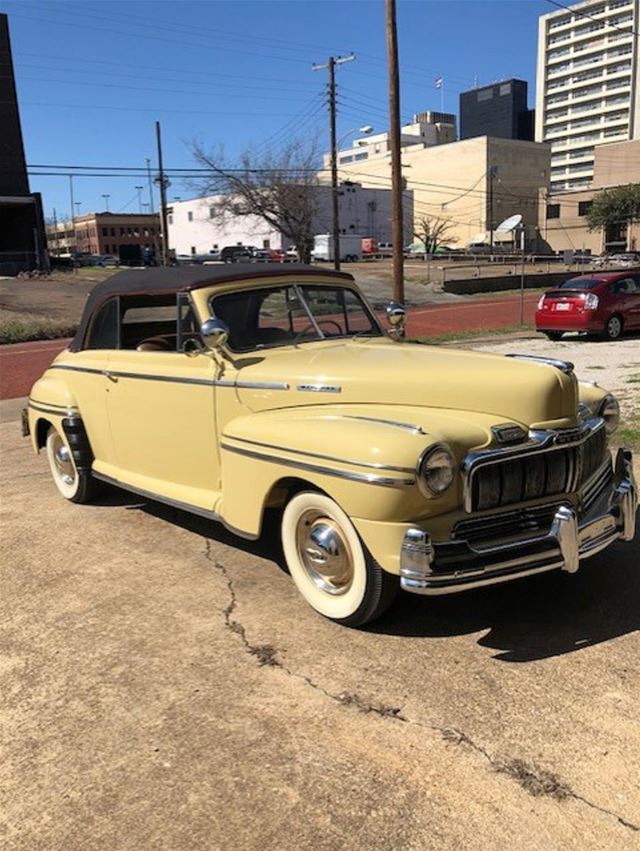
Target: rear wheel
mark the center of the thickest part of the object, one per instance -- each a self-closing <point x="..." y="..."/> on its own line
<point x="74" y="486"/>
<point x="554" y="335"/>
<point x="613" y="328"/>
<point x="329" y="564"/>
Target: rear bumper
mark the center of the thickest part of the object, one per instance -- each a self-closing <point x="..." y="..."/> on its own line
<point x="426" y="568"/>
<point x="591" y="320"/>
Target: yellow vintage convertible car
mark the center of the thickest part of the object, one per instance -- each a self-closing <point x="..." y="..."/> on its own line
<point x="227" y="390"/>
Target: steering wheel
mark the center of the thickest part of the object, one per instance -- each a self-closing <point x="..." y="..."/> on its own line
<point x="318" y="322"/>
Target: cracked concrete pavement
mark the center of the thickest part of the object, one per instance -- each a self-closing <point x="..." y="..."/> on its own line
<point x="164" y="686"/>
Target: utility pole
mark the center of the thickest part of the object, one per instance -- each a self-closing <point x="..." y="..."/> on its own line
<point x="148" y="161"/>
<point x="163" y="199"/>
<point x="55" y="230"/>
<point x="330" y="65"/>
<point x="397" y="230"/>
<point x="492" y="173"/>
<point x="73" y="226"/>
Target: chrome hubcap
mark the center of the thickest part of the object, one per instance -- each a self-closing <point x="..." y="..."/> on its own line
<point x="63" y="462"/>
<point x="324" y="552"/>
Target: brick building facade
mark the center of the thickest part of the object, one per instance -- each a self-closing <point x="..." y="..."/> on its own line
<point x="129" y="236"/>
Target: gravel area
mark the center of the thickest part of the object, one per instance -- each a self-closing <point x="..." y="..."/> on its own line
<point x="614" y="366"/>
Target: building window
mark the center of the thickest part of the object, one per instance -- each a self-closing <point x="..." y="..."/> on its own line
<point x="553" y="211"/>
<point x="190" y="216"/>
<point x="485" y="94"/>
<point x="584" y="207"/>
<point x="121" y="231"/>
<point x="105" y="231"/>
<point x="505" y="89"/>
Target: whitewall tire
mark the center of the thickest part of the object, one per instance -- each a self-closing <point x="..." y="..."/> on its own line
<point x="74" y="486"/>
<point x="329" y="564"/>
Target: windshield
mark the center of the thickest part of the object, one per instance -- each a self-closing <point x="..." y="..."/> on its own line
<point x="285" y="315"/>
<point x="580" y="284"/>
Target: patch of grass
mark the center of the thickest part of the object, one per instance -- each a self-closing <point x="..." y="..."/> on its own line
<point x="628" y="434"/>
<point x="23" y="327"/>
<point x="470" y="335"/>
<point x="633" y="379"/>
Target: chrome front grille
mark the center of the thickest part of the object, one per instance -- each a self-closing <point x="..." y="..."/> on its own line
<point x="525" y="521"/>
<point x="559" y="463"/>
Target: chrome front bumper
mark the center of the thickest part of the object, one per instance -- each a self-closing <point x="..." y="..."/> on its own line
<point x="569" y="539"/>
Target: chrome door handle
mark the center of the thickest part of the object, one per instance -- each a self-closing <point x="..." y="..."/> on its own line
<point x="110" y="376"/>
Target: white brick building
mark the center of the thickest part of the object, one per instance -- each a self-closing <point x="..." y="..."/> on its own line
<point x="194" y="229"/>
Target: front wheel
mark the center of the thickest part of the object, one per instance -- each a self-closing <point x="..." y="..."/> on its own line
<point x="329" y="564"/>
<point x="613" y="328"/>
<point x="74" y="486"/>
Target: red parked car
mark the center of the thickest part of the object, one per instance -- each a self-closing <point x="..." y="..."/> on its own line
<point x="605" y="304"/>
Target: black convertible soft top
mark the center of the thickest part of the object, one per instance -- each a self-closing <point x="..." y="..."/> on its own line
<point x="157" y="280"/>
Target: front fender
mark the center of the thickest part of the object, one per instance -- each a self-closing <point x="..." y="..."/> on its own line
<point x="50" y="400"/>
<point x="364" y="456"/>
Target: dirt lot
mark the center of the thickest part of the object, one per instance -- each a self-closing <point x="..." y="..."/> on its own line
<point x="163" y="686"/>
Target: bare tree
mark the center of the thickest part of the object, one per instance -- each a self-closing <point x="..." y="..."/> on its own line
<point x="433" y="232"/>
<point x="278" y="187"/>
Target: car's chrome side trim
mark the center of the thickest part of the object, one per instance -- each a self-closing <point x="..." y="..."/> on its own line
<point x="307" y="454"/>
<point x="174" y="503"/>
<point x="415" y="429"/>
<point x="319" y="388"/>
<point x="49" y="408"/>
<point x="207" y="382"/>
<point x="366" y="478"/>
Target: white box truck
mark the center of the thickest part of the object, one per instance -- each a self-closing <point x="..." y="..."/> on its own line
<point x="350" y="247"/>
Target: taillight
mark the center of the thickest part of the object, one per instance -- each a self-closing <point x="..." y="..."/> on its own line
<point x="541" y="302"/>
<point x="591" y="302"/>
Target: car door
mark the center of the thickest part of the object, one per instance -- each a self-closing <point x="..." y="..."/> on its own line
<point x="623" y="292"/>
<point x="161" y="403"/>
<point x="633" y="309"/>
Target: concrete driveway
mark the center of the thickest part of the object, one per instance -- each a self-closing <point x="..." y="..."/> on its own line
<point x="163" y="686"/>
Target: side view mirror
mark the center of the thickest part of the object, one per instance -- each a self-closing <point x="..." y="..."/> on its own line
<point x="396" y="314"/>
<point x="214" y="333"/>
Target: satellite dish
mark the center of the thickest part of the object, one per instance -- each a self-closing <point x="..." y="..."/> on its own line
<point x="509" y="224"/>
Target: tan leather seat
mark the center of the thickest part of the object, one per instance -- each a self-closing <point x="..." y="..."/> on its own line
<point x="153" y="344"/>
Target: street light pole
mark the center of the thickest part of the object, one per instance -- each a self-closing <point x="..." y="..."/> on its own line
<point x="139" y="190"/>
<point x="150" y="182"/>
<point x="106" y="197"/>
<point x="397" y="229"/>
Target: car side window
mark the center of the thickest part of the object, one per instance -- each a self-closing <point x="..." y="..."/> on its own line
<point x="159" y="323"/>
<point x="622" y="287"/>
<point x="104" y="329"/>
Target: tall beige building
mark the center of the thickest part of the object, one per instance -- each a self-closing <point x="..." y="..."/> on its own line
<point x="472" y="184"/>
<point x="588" y="92"/>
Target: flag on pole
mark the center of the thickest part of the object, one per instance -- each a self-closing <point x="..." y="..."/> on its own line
<point x="439" y="82"/>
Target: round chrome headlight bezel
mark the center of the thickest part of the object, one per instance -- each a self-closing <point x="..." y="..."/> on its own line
<point x="609" y="411"/>
<point x="435" y="471"/>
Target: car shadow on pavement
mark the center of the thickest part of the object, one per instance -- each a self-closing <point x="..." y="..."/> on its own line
<point x="523" y="621"/>
<point x="534" y="618"/>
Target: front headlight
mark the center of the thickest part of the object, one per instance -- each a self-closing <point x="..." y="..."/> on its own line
<point x="436" y="469"/>
<point x="609" y="410"/>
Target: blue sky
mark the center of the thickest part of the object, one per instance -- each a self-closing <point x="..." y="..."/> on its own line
<point x="92" y="78"/>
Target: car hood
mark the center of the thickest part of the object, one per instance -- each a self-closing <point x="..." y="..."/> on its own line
<point x="381" y="371"/>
